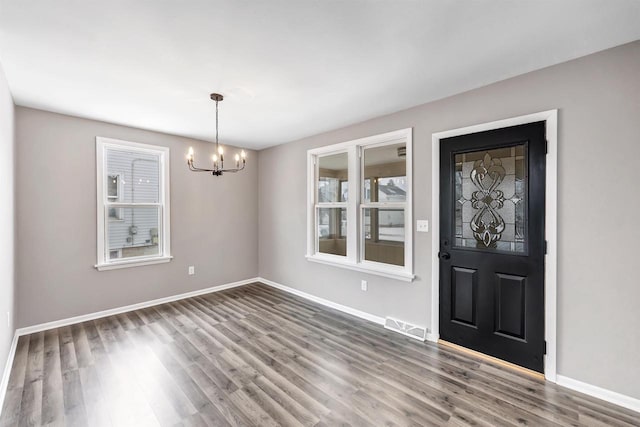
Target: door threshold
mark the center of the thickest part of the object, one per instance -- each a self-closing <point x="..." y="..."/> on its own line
<point x="495" y="360"/>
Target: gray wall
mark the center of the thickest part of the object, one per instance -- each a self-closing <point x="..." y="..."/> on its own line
<point x="7" y="221"/>
<point x="214" y="223"/>
<point x="599" y="151"/>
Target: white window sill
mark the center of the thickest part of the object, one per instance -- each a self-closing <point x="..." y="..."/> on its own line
<point x="133" y="263"/>
<point x="392" y="273"/>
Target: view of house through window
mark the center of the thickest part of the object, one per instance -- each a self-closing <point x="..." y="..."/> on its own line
<point x="133" y="231"/>
<point x="114" y="191"/>
<point x="133" y="200"/>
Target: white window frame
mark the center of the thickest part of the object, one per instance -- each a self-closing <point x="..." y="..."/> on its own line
<point x="354" y="260"/>
<point x="103" y="261"/>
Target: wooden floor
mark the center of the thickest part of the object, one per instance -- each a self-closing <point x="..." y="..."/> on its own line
<point x="257" y="356"/>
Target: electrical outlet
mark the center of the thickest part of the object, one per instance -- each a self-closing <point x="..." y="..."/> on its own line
<point x="192" y="270"/>
<point x="422" y="225"/>
<point x="363" y="285"/>
<point x="8" y="319"/>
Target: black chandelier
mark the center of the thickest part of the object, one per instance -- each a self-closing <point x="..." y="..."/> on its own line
<point x="218" y="159"/>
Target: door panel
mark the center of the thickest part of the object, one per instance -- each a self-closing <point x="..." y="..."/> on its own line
<point x="463" y="287"/>
<point x="510" y="305"/>
<point x="492" y="242"/>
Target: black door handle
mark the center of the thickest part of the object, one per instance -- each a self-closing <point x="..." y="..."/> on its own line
<point x="444" y="255"/>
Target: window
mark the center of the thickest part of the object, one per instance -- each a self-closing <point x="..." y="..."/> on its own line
<point x="331" y="204"/>
<point x="359" y="214"/>
<point x="133" y="204"/>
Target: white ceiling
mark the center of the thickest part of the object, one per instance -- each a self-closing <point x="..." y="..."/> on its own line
<point x="288" y="68"/>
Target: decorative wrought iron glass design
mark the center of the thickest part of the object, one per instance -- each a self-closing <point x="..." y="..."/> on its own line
<point x="491" y="199"/>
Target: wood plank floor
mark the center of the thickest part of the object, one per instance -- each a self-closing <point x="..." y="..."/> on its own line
<point x="257" y="356"/>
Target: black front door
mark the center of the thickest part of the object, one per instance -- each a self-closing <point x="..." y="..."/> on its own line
<point x="492" y="195"/>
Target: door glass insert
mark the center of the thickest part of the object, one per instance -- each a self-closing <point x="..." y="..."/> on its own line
<point x="491" y="198"/>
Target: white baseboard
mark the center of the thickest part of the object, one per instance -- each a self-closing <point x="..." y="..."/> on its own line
<point x="345" y="309"/>
<point x="97" y="315"/>
<point x="431" y="337"/>
<point x="4" y="383"/>
<point x="600" y="393"/>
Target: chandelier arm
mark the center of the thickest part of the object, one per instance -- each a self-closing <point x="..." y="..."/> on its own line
<point x="232" y="170"/>
<point x="195" y="169"/>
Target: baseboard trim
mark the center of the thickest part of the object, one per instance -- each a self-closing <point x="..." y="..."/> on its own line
<point x="4" y="383"/>
<point x="431" y="337"/>
<point x="100" y="314"/>
<point x="600" y="393"/>
<point x="343" y="308"/>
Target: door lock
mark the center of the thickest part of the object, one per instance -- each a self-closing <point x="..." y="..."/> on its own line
<point x="444" y="255"/>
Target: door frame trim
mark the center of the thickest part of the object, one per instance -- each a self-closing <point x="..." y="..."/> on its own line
<point x="550" y="117"/>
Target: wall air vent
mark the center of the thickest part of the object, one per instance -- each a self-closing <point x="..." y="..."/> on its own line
<point x="404" y="328"/>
